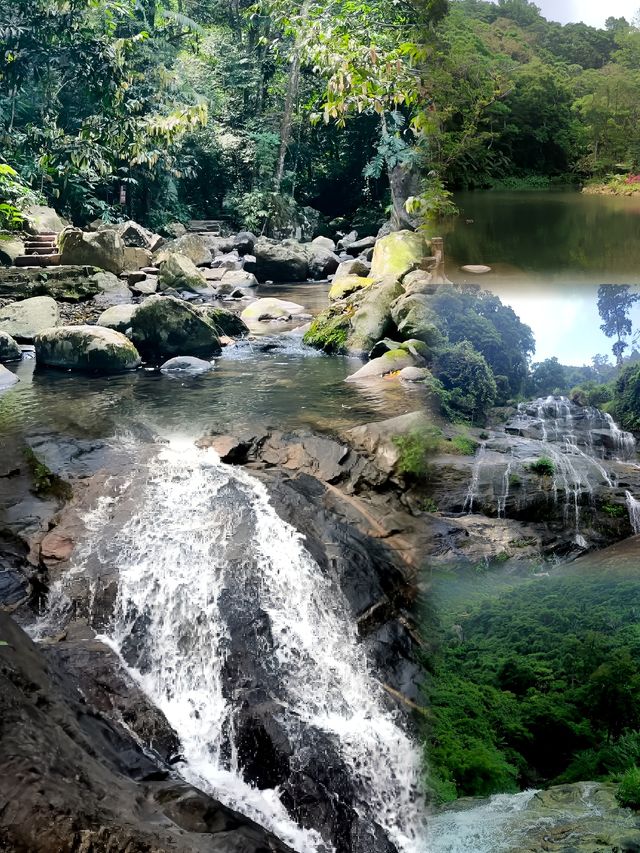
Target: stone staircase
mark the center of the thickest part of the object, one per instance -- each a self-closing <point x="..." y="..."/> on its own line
<point x="40" y="251"/>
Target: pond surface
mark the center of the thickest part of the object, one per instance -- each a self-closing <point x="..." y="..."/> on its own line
<point x="549" y="252"/>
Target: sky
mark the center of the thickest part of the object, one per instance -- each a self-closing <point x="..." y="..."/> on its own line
<point x="593" y="12"/>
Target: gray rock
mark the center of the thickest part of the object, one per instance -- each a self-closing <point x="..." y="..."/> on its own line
<point x="419" y="281"/>
<point x="271" y="309"/>
<point x="163" y="326"/>
<point x="325" y="243"/>
<point x="111" y="290"/>
<point x="180" y="272"/>
<point x="355" y="266"/>
<point x="186" y="364"/>
<point x="192" y="246"/>
<point x="146" y="287"/>
<point x="414" y="374"/>
<point x="359" y="246"/>
<point x="372" y="321"/>
<point x="43" y="220"/>
<point x="322" y="262"/>
<point x="244" y="242"/>
<point x="280" y="262"/>
<point x="239" y="278"/>
<point x="65" y="284"/>
<point x="10" y="248"/>
<point x="415" y="318"/>
<point x="135" y="257"/>
<point x="7" y="378"/>
<point x="87" y="348"/>
<point x="174" y="229"/>
<point x="394" y="360"/>
<point x="9" y="349"/>
<point x="347" y="240"/>
<point x="117" y="317"/>
<point x="223" y="321"/>
<point x="103" y="249"/>
<point x="23" y="320"/>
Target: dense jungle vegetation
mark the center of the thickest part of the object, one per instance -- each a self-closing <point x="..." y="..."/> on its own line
<point x="130" y="108"/>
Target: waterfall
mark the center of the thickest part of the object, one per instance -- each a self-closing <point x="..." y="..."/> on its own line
<point x="201" y="528"/>
<point x="472" y="492"/>
<point x="633" y="505"/>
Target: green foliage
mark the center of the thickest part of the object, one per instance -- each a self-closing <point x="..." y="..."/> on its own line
<point x="539" y="684"/>
<point x="415" y="449"/>
<point x="469" y="386"/>
<point x="625" y="406"/>
<point x="45" y="482"/>
<point x="464" y="445"/>
<point x="546" y="377"/>
<point x="628" y="793"/>
<point x="614" y="510"/>
<point x="543" y="467"/>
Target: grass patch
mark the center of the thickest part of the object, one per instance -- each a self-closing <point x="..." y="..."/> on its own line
<point x="614" y="510"/>
<point x="544" y="467"/>
<point x="463" y="445"/>
<point x="628" y="794"/>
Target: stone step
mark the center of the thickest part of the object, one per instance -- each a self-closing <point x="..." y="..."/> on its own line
<point x="38" y="260"/>
<point x="40" y="250"/>
<point x="41" y="238"/>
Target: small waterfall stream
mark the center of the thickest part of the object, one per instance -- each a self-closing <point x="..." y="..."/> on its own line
<point x="199" y="528"/>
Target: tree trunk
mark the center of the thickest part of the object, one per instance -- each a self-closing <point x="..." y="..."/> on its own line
<point x="404" y="182"/>
<point x="287" y="118"/>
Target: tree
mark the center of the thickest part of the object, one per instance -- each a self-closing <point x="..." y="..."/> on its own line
<point x="547" y="377"/>
<point x="470" y="388"/>
<point x="614" y="304"/>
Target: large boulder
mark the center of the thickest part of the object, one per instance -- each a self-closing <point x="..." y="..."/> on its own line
<point x="103" y="249"/>
<point x="134" y="236"/>
<point x="372" y="320"/>
<point x="23" y="320"/>
<point x="192" y="246"/>
<point x="162" y="327"/>
<point x="414" y="318"/>
<point x="40" y="219"/>
<point x="271" y="309"/>
<point x="88" y="348"/>
<point x="325" y="243"/>
<point x="9" y="349"/>
<point x="180" y="273"/>
<point x="322" y="262"/>
<point x="359" y="246"/>
<point x="239" y="278"/>
<point x="280" y="261"/>
<point x="398" y="253"/>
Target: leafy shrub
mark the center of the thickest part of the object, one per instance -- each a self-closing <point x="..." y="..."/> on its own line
<point x="544" y="467"/>
<point x="464" y="445"/>
<point x="467" y="380"/>
<point x="45" y="482"/>
<point x="628" y="794"/>
<point x="415" y="448"/>
<point x="614" y="510"/>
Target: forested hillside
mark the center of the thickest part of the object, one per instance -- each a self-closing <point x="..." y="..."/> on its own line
<point x="124" y="108"/>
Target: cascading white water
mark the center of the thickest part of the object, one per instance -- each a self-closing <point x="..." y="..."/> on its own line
<point x="195" y="521"/>
<point x="472" y="492"/>
<point x="633" y="505"/>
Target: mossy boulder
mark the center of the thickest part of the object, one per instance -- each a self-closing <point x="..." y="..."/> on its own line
<point x="65" y="284"/>
<point x="9" y="349"/>
<point x="398" y="253"/>
<point x="414" y="318"/>
<point x="329" y="331"/>
<point x="93" y="349"/>
<point x="348" y="284"/>
<point x="372" y="320"/>
<point x="23" y="320"/>
<point x="163" y="326"/>
<point x="223" y="321"/>
<point x="180" y="273"/>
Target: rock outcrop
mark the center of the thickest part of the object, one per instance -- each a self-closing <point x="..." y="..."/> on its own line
<point x="104" y="249"/>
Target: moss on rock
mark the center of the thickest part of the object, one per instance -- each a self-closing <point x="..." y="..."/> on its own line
<point x="329" y="331"/>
